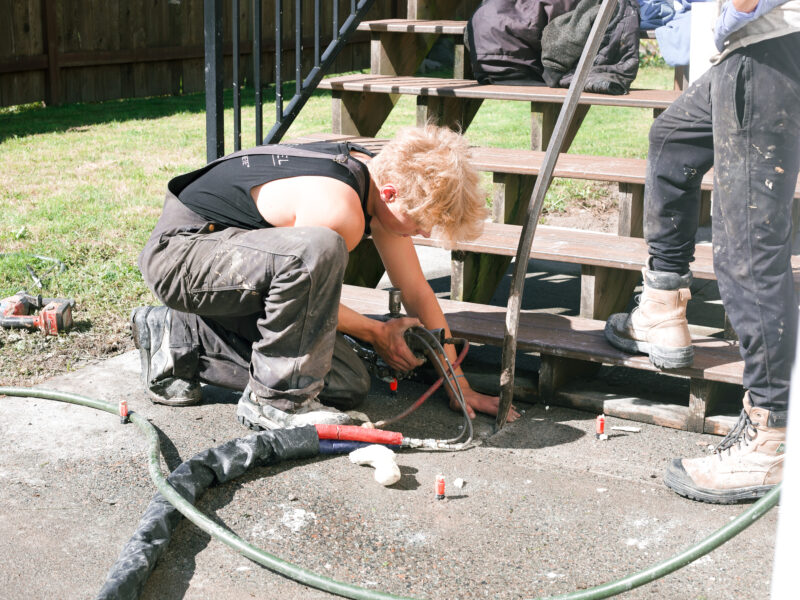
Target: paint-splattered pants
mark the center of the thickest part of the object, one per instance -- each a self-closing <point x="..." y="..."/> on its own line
<point x="255" y="307"/>
<point x="742" y="117"/>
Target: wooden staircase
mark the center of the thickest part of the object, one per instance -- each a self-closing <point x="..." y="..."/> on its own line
<point x="571" y="349"/>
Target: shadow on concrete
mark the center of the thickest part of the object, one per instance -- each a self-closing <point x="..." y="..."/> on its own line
<point x="213" y="394"/>
<point x="534" y="433"/>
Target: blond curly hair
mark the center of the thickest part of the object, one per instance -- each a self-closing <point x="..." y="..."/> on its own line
<point x="436" y="183"/>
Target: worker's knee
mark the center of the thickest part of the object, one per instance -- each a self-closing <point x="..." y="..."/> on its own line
<point x="659" y="132"/>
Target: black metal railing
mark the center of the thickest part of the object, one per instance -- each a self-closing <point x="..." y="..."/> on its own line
<point x="304" y="85"/>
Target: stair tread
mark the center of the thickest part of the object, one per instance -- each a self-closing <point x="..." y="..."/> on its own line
<point x="559" y="335"/>
<point x="471" y="89"/>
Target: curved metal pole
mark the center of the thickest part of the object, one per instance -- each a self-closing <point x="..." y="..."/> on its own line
<point x="535" y="207"/>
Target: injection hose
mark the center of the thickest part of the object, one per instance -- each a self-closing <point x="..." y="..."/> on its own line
<point x="283" y="446"/>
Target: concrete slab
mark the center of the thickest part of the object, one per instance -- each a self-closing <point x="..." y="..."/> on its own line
<point x="546" y="508"/>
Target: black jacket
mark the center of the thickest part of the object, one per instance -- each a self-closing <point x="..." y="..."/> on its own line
<point x="540" y="41"/>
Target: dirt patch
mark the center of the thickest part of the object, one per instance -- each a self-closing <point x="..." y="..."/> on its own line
<point x="595" y="213"/>
<point x="29" y="357"/>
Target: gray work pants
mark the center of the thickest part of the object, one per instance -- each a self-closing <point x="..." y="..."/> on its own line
<point x="742" y="116"/>
<point x="255" y="307"/>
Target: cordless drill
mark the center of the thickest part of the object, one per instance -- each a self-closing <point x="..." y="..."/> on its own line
<point x="18" y="312"/>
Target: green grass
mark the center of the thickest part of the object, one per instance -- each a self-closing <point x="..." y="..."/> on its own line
<point x="84" y="184"/>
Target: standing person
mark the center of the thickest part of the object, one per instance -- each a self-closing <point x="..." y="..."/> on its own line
<point x="742" y="117"/>
<point x="249" y="255"/>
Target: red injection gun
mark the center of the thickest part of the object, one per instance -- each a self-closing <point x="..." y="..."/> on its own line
<point x="18" y="311"/>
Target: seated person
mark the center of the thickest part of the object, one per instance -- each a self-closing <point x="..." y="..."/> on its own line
<point x="249" y="255"/>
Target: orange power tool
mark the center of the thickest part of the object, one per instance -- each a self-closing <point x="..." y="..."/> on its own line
<point x="18" y="312"/>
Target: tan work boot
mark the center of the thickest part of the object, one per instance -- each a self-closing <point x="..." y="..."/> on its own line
<point x="746" y="464"/>
<point x="658" y="326"/>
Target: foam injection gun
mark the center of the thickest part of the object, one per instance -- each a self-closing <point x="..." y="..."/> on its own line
<point x="413" y="338"/>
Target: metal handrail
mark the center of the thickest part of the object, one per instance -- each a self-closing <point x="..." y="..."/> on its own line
<point x="304" y="86"/>
<point x="536" y="202"/>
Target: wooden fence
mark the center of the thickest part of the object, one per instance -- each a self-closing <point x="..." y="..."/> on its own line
<point x="63" y="51"/>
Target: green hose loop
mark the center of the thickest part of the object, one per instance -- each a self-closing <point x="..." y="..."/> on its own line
<point x="299" y="574"/>
<point x="309" y="578"/>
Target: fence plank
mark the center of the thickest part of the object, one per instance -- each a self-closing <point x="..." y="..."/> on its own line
<point x="104" y="49"/>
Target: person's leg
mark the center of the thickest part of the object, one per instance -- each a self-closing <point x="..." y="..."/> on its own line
<point x="757" y="156"/>
<point x="290" y="277"/>
<point x="189" y="348"/>
<point x="224" y="348"/>
<point x="168" y="358"/>
<point x="680" y="153"/>
<point x="348" y="381"/>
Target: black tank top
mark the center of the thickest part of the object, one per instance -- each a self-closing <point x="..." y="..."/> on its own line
<point x="222" y="194"/>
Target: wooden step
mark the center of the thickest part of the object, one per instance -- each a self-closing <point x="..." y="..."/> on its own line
<point x="628" y="173"/>
<point x="392" y="39"/>
<point x="361" y="103"/>
<point x="440" y="26"/>
<point x="528" y="162"/>
<point x="569" y="346"/>
<point x="579" y="246"/>
<point x="608" y="278"/>
<point x="471" y="89"/>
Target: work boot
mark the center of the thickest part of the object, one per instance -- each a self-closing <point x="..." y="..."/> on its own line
<point x="150" y="326"/>
<point x="746" y="464"/>
<point x="256" y="413"/>
<point x="658" y="325"/>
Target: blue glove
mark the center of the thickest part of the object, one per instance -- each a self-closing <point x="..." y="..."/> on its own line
<point x="731" y="20"/>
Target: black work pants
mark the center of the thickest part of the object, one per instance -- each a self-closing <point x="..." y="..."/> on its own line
<point x="255" y="307"/>
<point x="742" y="117"/>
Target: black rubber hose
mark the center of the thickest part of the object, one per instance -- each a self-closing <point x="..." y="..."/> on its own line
<point x="191" y="479"/>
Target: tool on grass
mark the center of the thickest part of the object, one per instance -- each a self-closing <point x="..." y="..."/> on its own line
<point x="39" y="278"/>
<point x="18" y="312"/>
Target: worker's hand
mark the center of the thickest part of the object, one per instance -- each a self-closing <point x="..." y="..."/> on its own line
<point x="392" y="347"/>
<point x="482" y="403"/>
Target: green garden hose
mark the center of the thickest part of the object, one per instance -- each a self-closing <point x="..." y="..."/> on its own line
<point x="309" y="578"/>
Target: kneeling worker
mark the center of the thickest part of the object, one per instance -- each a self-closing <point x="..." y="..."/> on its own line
<point x="249" y="255"/>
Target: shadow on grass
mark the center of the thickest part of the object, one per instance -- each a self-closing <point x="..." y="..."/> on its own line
<point x="32" y="119"/>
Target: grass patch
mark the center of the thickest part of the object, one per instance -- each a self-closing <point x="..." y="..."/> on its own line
<point x="84" y="184"/>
